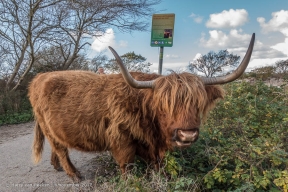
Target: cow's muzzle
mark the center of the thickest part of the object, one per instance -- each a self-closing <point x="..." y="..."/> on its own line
<point x="185" y="137"/>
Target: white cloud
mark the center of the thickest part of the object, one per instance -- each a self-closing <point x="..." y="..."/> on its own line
<point x="178" y="67"/>
<point x="220" y="40"/>
<point x="172" y="56"/>
<point x="123" y="43"/>
<point x="283" y="47"/>
<point x="228" y="19"/>
<point x="197" y="56"/>
<point x="237" y="42"/>
<point x="257" y="63"/>
<point x="103" y="40"/>
<point x="279" y="22"/>
<point x="196" y="18"/>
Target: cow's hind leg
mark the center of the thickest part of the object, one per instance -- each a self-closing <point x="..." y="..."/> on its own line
<point x="55" y="161"/>
<point x="62" y="155"/>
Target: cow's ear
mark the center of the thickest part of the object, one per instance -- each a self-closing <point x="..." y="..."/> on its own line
<point x="214" y="92"/>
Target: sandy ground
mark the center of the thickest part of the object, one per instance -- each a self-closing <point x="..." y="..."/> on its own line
<point x="18" y="173"/>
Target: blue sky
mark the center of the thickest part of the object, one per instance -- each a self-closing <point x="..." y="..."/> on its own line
<point x="210" y="25"/>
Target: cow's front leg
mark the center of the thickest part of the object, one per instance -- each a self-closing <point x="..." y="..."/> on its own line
<point x="160" y="159"/>
<point x="124" y="154"/>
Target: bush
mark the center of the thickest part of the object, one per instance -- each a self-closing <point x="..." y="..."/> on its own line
<point x="243" y="146"/>
<point x="15" y="107"/>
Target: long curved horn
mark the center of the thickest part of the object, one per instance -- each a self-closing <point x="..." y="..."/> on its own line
<point x="235" y="74"/>
<point x="128" y="78"/>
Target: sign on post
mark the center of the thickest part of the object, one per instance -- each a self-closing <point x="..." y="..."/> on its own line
<point x="162" y="30"/>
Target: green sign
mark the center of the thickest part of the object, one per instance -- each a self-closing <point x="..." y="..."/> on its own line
<point x="162" y="30"/>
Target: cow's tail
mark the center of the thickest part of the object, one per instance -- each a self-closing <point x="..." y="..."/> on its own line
<point x="38" y="143"/>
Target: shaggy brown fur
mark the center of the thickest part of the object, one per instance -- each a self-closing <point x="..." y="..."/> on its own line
<point x="89" y="112"/>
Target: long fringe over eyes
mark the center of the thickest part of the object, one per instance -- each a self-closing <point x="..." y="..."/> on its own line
<point x="176" y="94"/>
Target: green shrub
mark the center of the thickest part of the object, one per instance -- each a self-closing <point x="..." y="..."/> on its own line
<point x="244" y="142"/>
<point x="243" y="146"/>
<point x="15" y="118"/>
<point x="15" y="107"/>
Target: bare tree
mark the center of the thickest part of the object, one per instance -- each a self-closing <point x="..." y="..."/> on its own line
<point x="264" y="72"/>
<point x="81" y="19"/>
<point x="51" y="59"/>
<point x="282" y="66"/>
<point x="22" y="31"/>
<point x="213" y="63"/>
<point x="99" y="61"/>
<point x="29" y="25"/>
<point x="132" y="61"/>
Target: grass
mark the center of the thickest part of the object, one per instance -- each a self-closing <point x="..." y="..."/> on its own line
<point x="141" y="177"/>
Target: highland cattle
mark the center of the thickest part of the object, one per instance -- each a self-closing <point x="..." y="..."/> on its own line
<point x="128" y="114"/>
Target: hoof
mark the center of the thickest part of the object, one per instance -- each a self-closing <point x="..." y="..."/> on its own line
<point x="76" y="177"/>
<point x="58" y="168"/>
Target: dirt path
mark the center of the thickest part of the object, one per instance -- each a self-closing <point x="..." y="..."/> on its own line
<point x="18" y="173"/>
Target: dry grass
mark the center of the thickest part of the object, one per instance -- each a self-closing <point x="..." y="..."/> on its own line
<point x="141" y="178"/>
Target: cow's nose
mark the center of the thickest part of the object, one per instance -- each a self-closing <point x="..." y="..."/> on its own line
<point x="187" y="135"/>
